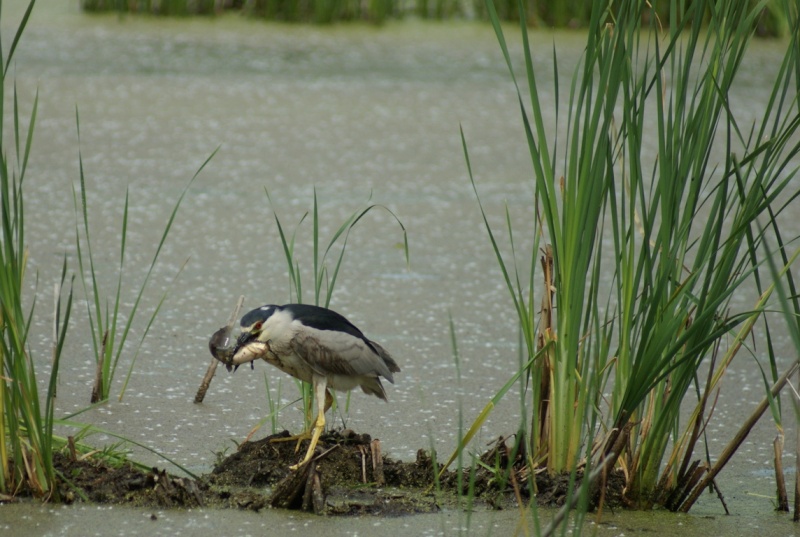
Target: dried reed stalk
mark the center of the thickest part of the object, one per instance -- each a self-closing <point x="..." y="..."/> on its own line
<point x="737" y="440"/>
<point x="783" y="499"/>
<point x="212" y="367"/>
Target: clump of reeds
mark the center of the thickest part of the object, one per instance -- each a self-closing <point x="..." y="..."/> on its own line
<point x="27" y="441"/>
<point x="654" y="321"/>
<point x="26" y="429"/>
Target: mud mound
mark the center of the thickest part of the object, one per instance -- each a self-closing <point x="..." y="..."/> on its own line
<point x="349" y="476"/>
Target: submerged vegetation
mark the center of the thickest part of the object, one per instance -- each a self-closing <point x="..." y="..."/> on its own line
<point x="681" y="233"/>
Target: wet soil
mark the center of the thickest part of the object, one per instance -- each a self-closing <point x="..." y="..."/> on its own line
<point x="348" y="476"/>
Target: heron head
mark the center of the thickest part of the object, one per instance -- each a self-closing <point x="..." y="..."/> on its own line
<point x="252" y="327"/>
<point x="253" y="331"/>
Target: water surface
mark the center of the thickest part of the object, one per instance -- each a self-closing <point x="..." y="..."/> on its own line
<point x="358" y="113"/>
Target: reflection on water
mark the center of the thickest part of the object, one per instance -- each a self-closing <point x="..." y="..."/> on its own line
<point x="353" y="111"/>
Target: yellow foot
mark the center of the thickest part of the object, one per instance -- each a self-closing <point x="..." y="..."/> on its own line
<point x="323" y="398"/>
<point x="298" y="465"/>
<point x="312" y="446"/>
<point x="305" y="435"/>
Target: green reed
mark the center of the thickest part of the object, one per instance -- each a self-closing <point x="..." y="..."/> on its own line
<point x="26" y="429"/>
<point x="324" y="276"/>
<point x="684" y="225"/>
<point x="27" y="439"/>
<point x="689" y="277"/>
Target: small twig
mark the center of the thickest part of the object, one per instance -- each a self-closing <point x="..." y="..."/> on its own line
<point x="308" y="489"/>
<point x="363" y="451"/>
<point x="212" y="367"/>
<point x="687" y="485"/>
<point x="313" y="496"/>
<point x="541" y="431"/>
<point x="89" y="455"/>
<point x="737" y="440"/>
<point x="720" y="496"/>
<point x="699" y="424"/>
<point x="325" y="453"/>
<point x="73" y="452"/>
<point x="252" y="431"/>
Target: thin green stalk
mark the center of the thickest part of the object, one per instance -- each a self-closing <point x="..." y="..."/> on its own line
<point x="109" y="335"/>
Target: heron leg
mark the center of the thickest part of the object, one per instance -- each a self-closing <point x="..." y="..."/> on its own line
<point x="322" y="397"/>
<point x="305" y="435"/>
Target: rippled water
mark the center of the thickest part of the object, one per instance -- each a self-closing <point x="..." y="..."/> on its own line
<point x="353" y="112"/>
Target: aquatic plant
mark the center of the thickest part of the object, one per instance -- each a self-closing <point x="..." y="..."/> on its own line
<point x="27" y="439"/>
<point x="109" y="335"/>
<point x="322" y="274"/>
<point x="26" y="430"/>
<point x="678" y="231"/>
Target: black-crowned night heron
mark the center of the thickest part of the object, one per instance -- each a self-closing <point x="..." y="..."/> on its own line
<point x="318" y="346"/>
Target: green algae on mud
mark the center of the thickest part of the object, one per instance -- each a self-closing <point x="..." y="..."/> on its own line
<point x="351" y="476"/>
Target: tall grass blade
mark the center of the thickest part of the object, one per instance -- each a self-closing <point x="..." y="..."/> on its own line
<point x="17" y="36"/>
<point x="108" y="334"/>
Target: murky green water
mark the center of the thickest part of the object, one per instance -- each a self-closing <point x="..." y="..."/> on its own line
<point x="353" y="111"/>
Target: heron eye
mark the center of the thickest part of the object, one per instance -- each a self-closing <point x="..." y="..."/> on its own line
<point x="257" y="326"/>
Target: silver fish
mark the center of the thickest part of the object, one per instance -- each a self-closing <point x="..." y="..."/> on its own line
<point x="222" y="348"/>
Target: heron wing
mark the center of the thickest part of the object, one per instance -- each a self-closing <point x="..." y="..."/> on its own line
<point x="330" y="352"/>
<point x="322" y="319"/>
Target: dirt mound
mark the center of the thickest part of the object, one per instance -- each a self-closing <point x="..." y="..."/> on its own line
<point x="349" y="476"/>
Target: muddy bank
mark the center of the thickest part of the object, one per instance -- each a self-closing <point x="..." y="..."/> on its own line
<point x="349" y="476"/>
